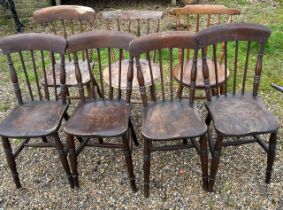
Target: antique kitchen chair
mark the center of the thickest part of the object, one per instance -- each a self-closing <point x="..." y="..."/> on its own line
<point x="167" y="118"/>
<point x="239" y="112"/>
<point x="104" y="117"/>
<point x="194" y="18"/>
<point x="66" y="20"/>
<point x="138" y="23"/>
<point x="34" y="117"/>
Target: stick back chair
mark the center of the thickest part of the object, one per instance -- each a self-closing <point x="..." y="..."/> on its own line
<point x="34" y="117"/>
<point x="194" y="18"/>
<point x="66" y="20"/>
<point x="167" y="118"/>
<point x="101" y="117"/>
<point x="138" y="23"/>
<point x="239" y="112"/>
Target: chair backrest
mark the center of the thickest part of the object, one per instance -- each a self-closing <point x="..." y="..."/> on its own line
<point x="136" y="22"/>
<point x="103" y="44"/>
<point x="167" y="45"/>
<point x="243" y="45"/>
<point x="27" y="56"/>
<point x="197" y="17"/>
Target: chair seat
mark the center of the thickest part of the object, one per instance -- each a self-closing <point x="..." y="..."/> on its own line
<point x="124" y="72"/>
<point x="241" y="115"/>
<point x="70" y="73"/>
<point x="199" y="81"/>
<point x="34" y="119"/>
<point x="171" y="120"/>
<point x="100" y="119"/>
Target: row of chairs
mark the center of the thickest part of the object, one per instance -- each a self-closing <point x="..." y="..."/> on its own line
<point x="168" y="114"/>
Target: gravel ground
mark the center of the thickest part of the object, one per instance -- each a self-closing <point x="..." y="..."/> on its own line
<point x="175" y="176"/>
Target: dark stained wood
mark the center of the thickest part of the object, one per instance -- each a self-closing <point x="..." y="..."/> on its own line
<point x="167" y="118"/>
<point x="240" y="111"/>
<point x="252" y="116"/>
<point x="171" y="120"/>
<point x="100" y="119"/>
<point x="199" y="78"/>
<point x="33" y="116"/>
<point x="124" y="71"/>
<point x="26" y="121"/>
<point x="108" y="115"/>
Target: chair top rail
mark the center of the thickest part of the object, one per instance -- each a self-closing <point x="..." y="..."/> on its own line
<point x="64" y="12"/>
<point x="171" y="39"/>
<point x="100" y="39"/>
<point x="233" y="32"/>
<point x="205" y="9"/>
<point x="33" y="41"/>
<point x="132" y="15"/>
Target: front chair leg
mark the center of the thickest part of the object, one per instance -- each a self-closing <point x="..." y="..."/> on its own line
<point x="11" y="161"/>
<point x="204" y="161"/>
<point x="129" y="161"/>
<point x="73" y="159"/>
<point x="215" y="162"/>
<point x="63" y="158"/>
<point x="270" y="156"/>
<point x="146" y="167"/>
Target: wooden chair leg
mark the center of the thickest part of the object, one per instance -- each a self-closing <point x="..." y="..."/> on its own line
<point x="185" y="141"/>
<point x="222" y="89"/>
<point x="146" y="167"/>
<point x="129" y="162"/>
<point x="63" y="158"/>
<point x="133" y="133"/>
<point x="66" y="116"/>
<point x="215" y="162"/>
<point x="204" y="161"/>
<point x="11" y="161"/>
<point x="180" y="91"/>
<point x="44" y="139"/>
<point x="270" y="156"/>
<point x="73" y="159"/>
<point x="89" y="90"/>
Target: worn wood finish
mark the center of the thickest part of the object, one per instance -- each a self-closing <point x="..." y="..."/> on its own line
<point x="197" y="17"/>
<point x="138" y="23"/>
<point x="108" y="115"/>
<point x="168" y="118"/>
<point x="199" y="79"/>
<point x="66" y="20"/>
<point x="124" y="71"/>
<point x="240" y="111"/>
<point x="33" y="116"/>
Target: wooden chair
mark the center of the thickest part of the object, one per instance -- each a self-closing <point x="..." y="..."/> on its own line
<point x="194" y="18"/>
<point x="33" y="117"/>
<point x="101" y="117"/>
<point x="138" y="23"/>
<point x="66" y="20"/>
<point x="166" y="118"/>
<point x="239" y="112"/>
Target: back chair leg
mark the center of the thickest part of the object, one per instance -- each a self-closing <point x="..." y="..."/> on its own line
<point x="215" y="162"/>
<point x="73" y="159"/>
<point x="63" y="158"/>
<point x="129" y="161"/>
<point x="204" y="161"/>
<point x="133" y="133"/>
<point x="146" y="167"/>
<point x="270" y="156"/>
<point x="11" y="160"/>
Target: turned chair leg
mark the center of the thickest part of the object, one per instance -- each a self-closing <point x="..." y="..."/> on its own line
<point x="11" y="160"/>
<point x="204" y="161"/>
<point x="129" y="161"/>
<point x="146" y="167"/>
<point x="73" y="159"/>
<point x="270" y="156"/>
<point x="63" y="158"/>
<point x="215" y="162"/>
